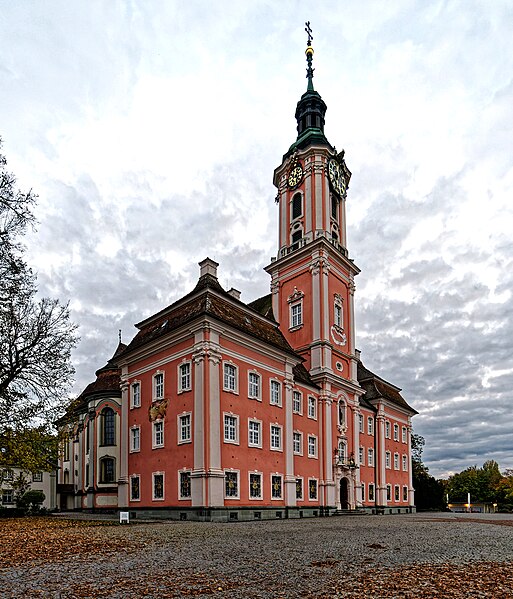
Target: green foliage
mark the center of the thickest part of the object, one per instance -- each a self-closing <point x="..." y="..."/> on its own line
<point x="485" y="484"/>
<point x="31" y="449"/>
<point x="32" y="500"/>
<point x="429" y="492"/>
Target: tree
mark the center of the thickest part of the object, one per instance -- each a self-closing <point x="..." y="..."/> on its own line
<point x="36" y="335"/>
<point x="484" y="484"/>
<point x="429" y="492"/>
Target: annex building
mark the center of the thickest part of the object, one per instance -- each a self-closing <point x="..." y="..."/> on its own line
<point x="222" y="410"/>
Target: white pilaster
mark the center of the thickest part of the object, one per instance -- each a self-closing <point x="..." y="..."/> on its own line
<point x="123" y="447"/>
<point x="290" y="479"/>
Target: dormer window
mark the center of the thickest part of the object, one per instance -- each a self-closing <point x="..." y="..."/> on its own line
<point x="297" y="206"/>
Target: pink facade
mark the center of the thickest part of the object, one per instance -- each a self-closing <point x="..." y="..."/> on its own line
<point x="227" y="410"/>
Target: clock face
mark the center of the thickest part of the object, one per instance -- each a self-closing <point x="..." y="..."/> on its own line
<point x="336" y="176"/>
<point x="295" y="176"/>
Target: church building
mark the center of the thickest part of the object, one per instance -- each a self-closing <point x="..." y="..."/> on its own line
<point x="222" y="410"/>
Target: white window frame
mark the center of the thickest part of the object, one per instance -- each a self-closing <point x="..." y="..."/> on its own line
<point x="155" y="433"/>
<point x="387" y="429"/>
<point x="396" y="461"/>
<point x="236" y="417"/>
<point x="389" y="492"/>
<point x="296" y="315"/>
<point x="37" y="477"/>
<point x="316" y="489"/>
<point x="184" y="376"/>
<point x="228" y="377"/>
<point x="312" y="407"/>
<point x="153" y="474"/>
<point x="275" y="425"/>
<point x="180" y="496"/>
<point x="256" y="473"/>
<point x="158" y="388"/>
<point x="361" y="427"/>
<point x="363" y="491"/>
<point x="133" y="448"/>
<point x="237" y="473"/>
<point x="132" y="476"/>
<point x="372" y="492"/>
<point x="405" y="462"/>
<point x="250" y="443"/>
<point x="396" y="432"/>
<point x="361" y="456"/>
<point x="275" y="392"/>
<point x="254" y="386"/>
<point x="135" y="398"/>
<point x="370" y="425"/>
<point x="280" y="476"/>
<point x="404" y="434"/>
<point x="302" y="497"/>
<point x="312" y="444"/>
<point x="180" y="425"/>
<point x="297" y="442"/>
<point x="338" y="311"/>
<point x="397" y="493"/>
<point x="370" y="456"/>
<point x="388" y="460"/>
<point x="297" y="400"/>
<point x="405" y="493"/>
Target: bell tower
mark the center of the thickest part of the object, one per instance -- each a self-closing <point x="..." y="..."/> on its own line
<point x="312" y="276"/>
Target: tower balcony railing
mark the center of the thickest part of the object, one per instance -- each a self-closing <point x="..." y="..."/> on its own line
<point x="344" y="462"/>
<point x="306" y="240"/>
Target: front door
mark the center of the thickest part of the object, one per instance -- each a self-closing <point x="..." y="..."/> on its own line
<point x="344" y="494"/>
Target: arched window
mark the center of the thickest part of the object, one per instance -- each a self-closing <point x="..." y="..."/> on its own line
<point x="297" y="207"/>
<point x="342" y="457"/>
<point x="108" y="426"/>
<point x="107" y="470"/>
<point x="341" y="412"/>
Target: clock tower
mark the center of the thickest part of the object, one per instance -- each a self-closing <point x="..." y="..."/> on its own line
<point x="312" y="276"/>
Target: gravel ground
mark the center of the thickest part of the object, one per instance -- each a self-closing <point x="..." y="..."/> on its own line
<point x="417" y="556"/>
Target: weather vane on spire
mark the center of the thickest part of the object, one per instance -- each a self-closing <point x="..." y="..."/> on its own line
<point x="309" y="55"/>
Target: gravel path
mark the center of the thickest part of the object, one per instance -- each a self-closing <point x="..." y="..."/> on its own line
<point x="340" y="557"/>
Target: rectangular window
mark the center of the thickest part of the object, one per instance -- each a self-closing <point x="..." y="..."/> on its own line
<point x="389" y="492"/>
<point x="396" y="461"/>
<point x="275" y="437"/>
<point x="255" y="485"/>
<point x="361" y="458"/>
<point x="230" y="429"/>
<point x="135" y="488"/>
<point x="230" y="377"/>
<point x="312" y="446"/>
<point x="312" y="489"/>
<point x="276" y="486"/>
<point x="275" y="393"/>
<point x="312" y="407"/>
<point x="338" y="315"/>
<point x="136" y="395"/>
<point x="158" y="386"/>
<point x="185" y="485"/>
<point x="184" y="429"/>
<point x="296" y="315"/>
<point x="37" y="477"/>
<point x="387" y="430"/>
<point x="299" y="488"/>
<point x="405" y="462"/>
<point x="405" y="435"/>
<point x="185" y="376"/>
<point x="405" y="493"/>
<point x="158" y="434"/>
<point x="363" y="491"/>
<point x="396" y="432"/>
<point x="231" y="485"/>
<point x="297" y="443"/>
<point x="254" y="385"/>
<point x="158" y="486"/>
<point x="360" y="422"/>
<point x="370" y="457"/>
<point x="254" y="433"/>
<point x="135" y="439"/>
<point x="397" y="493"/>
<point x="296" y="402"/>
<point x="387" y="459"/>
<point x="371" y="491"/>
<point x="370" y="426"/>
<point x="7" y="496"/>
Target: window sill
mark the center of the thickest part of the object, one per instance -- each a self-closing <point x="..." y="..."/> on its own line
<point x="296" y="328"/>
<point x="184" y="442"/>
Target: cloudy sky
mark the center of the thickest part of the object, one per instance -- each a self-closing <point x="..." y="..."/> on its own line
<point x="150" y="131"/>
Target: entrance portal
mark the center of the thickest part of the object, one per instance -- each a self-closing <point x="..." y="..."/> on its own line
<point x="344" y="494"/>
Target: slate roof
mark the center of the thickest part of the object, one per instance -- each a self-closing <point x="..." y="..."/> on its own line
<point x="376" y="388"/>
<point x="264" y="305"/>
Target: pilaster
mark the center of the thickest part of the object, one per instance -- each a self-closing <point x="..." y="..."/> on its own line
<point x="123" y="447"/>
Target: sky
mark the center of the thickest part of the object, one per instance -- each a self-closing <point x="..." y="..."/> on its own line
<point x="151" y="129"/>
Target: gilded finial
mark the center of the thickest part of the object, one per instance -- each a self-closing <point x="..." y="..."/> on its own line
<point x="309" y="56"/>
<point x="119" y="335"/>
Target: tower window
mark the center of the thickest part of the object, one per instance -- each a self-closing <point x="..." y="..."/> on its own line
<point x="334" y="207"/>
<point x="297" y="206"/>
<point x="297" y="236"/>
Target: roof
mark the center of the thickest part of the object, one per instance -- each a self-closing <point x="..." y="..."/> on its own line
<point x="377" y="388"/>
<point x="264" y="305"/>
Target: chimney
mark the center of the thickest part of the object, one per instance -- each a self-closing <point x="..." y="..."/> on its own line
<point x="234" y="293"/>
<point x="208" y="267"/>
